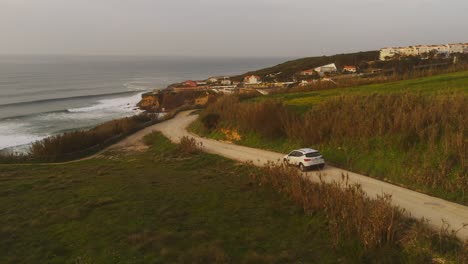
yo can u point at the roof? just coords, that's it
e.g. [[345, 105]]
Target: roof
[[331, 65], [307, 150]]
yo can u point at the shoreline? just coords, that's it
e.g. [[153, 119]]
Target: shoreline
[[29, 128]]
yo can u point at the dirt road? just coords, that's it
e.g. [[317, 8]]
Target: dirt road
[[417, 204]]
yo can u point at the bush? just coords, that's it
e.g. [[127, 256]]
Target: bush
[[77, 143], [210, 121], [352, 214], [429, 131], [189, 146]]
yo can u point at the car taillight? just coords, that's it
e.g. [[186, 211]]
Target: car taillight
[[307, 159]]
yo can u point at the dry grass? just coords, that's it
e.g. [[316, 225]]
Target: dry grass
[[189, 146], [430, 130], [396, 75], [78, 143], [351, 214], [349, 211]]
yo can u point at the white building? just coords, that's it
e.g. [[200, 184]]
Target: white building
[[252, 79], [213, 80], [423, 50], [226, 81], [458, 48], [351, 69], [329, 68], [307, 72]]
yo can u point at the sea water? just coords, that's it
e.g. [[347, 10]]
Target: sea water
[[41, 96]]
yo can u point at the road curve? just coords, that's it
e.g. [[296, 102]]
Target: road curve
[[435, 210]]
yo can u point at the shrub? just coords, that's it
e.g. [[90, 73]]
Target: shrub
[[78, 143], [430, 131], [189, 146], [210, 121], [352, 214]]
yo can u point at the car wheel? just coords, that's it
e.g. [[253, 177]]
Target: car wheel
[[285, 162], [302, 167]]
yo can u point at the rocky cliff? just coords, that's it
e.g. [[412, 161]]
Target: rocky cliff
[[151, 102], [168, 100]]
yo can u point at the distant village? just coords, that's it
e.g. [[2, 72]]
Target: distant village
[[227, 84], [423, 51], [325, 73]]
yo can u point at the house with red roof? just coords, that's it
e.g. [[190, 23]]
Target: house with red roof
[[191, 84], [351, 69], [307, 72]]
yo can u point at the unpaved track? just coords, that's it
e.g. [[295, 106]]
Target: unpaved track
[[417, 204]]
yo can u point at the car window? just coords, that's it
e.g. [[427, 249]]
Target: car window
[[313, 154], [298, 154], [295, 154]]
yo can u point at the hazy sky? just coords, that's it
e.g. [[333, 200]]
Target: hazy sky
[[226, 27]]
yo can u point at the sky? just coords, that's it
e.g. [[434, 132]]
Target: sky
[[238, 28]]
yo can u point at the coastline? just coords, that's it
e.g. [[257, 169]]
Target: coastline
[[19, 132]]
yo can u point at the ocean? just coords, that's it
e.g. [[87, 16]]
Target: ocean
[[41, 96]]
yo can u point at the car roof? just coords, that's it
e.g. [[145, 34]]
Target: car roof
[[307, 150]]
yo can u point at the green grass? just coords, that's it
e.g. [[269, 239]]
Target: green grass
[[154, 207], [379, 160], [377, 157], [440, 84], [160, 207]]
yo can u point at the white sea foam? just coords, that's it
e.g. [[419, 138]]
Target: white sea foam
[[121, 104], [21, 131], [14, 133]]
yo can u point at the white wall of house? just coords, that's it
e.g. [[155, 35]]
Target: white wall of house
[[252, 80], [226, 82], [350, 69], [326, 68], [307, 73]]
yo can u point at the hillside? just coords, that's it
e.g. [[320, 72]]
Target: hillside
[[439, 84], [168, 205], [412, 133], [288, 69]]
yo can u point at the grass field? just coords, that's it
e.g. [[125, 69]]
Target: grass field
[[439, 84], [163, 207], [412, 133], [155, 207]]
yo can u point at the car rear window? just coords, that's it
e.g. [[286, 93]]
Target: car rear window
[[313, 154]]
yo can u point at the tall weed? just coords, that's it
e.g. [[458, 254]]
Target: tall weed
[[429, 131]]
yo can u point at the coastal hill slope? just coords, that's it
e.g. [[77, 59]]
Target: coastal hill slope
[[289, 68]]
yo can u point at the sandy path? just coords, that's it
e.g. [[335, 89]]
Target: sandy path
[[419, 205]]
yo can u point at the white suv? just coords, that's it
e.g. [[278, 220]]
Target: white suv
[[305, 158]]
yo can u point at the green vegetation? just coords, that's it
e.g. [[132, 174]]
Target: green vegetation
[[154, 207], [166, 207], [367, 62], [289, 68], [78, 144], [412, 133], [439, 84]]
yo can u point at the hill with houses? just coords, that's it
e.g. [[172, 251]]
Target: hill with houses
[[321, 72]]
